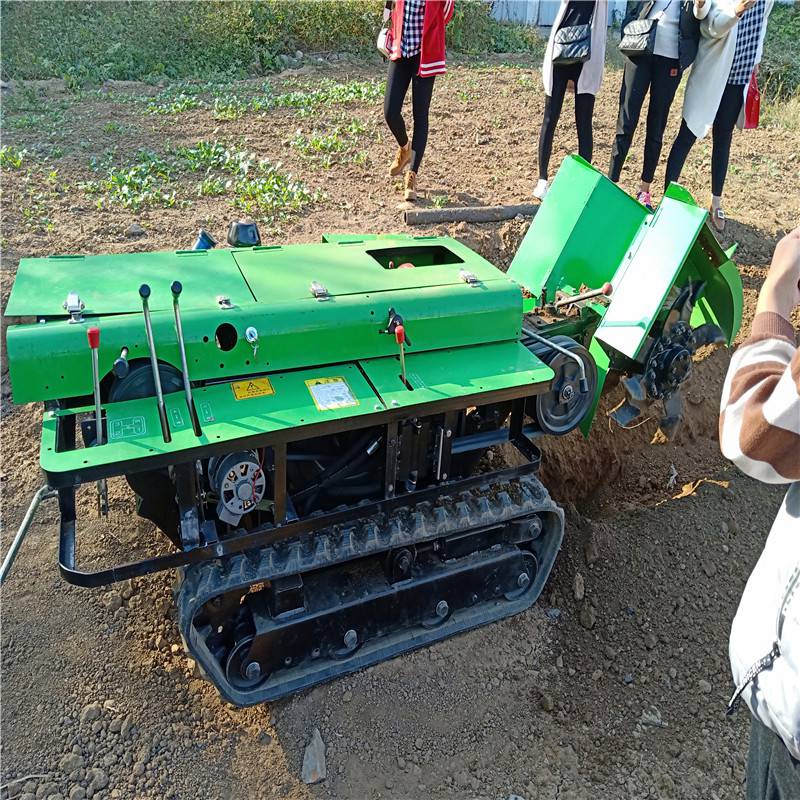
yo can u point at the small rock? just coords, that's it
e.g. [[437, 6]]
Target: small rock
[[91, 712], [115, 725], [97, 779], [175, 649], [126, 728], [161, 642], [597, 674], [138, 769], [553, 613], [347, 696], [298, 55], [578, 587], [588, 616], [710, 568], [314, 769], [134, 230], [70, 762], [627, 678], [77, 793], [418, 743], [113, 601], [590, 550], [704, 686], [650, 641], [547, 703]]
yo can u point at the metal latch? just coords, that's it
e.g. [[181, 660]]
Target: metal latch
[[224, 302], [319, 291], [74, 306], [468, 277]]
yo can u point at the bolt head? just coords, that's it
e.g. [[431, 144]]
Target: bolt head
[[523, 579], [252, 671], [350, 639], [442, 609]]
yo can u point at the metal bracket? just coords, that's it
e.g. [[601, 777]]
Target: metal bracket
[[319, 291], [73, 305], [468, 277], [224, 302]]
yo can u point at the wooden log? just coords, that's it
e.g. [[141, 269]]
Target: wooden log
[[430, 216]]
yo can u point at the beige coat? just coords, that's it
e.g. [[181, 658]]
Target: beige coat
[[592, 71], [709, 74]]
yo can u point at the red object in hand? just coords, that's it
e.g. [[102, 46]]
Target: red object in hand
[[752, 104], [400, 334], [93, 335]]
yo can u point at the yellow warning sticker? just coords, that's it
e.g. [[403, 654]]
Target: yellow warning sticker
[[255, 387], [331, 393]]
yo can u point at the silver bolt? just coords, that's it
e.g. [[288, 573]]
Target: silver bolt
[[395, 403], [449, 433], [442, 609], [444, 476], [523, 580], [252, 671], [390, 488], [287, 660], [350, 639]]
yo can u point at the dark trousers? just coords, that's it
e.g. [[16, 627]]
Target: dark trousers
[[403, 73], [772, 773], [584, 109], [728, 112], [660, 77]]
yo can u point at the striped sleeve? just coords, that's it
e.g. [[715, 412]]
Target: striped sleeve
[[759, 424], [449, 8]]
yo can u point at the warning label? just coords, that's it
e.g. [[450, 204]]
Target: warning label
[[331, 393], [255, 387]]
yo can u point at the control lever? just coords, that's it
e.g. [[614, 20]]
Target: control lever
[[144, 293], [121, 367], [606, 289], [397, 328], [93, 335], [177, 288]]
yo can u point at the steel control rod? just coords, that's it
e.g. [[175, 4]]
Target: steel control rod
[[177, 288], [144, 293]]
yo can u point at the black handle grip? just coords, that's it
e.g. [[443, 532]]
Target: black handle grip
[[176, 288], [144, 291]]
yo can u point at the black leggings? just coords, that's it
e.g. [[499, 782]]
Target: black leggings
[[728, 112], [584, 109], [402, 73], [660, 77]]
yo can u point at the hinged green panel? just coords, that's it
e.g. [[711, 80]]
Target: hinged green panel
[[109, 284], [455, 373]]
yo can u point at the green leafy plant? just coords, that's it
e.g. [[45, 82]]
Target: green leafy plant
[[12, 157], [271, 192]]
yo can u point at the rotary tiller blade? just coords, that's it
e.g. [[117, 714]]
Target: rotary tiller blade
[[673, 415], [707, 334], [635, 400]]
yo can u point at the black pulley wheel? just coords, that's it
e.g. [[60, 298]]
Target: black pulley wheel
[[139, 383], [561, 409], [242, 672]]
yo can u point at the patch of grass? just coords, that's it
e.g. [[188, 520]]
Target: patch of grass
[[271, 193], [12, 157], [782, 114], [779, 74], [174, 105], [145, 183], [112, 127], [440, 201]]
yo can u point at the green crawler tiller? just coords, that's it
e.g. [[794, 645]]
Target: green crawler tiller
[[305, 422]]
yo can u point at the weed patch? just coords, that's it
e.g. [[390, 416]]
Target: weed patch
[[11, 157]]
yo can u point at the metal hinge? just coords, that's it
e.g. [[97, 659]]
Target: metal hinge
[[73, 306], [319, 291]]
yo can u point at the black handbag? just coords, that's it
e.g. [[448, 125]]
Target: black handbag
[[639, 35], [573, 44]]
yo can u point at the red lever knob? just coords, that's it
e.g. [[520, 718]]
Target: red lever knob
[[607, 289], [400, 334], [93, 335]]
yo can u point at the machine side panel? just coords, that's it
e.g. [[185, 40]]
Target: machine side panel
[[580, 234]]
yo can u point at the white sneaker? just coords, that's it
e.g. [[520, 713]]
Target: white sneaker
[[540, 192]]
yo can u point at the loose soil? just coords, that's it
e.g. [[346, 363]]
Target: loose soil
[[620, 694]]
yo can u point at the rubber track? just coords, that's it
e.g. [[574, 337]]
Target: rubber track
[[485, 505]]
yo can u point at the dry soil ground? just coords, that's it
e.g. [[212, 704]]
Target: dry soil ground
[[618, 695]]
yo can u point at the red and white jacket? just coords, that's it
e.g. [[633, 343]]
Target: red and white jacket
[[432, 55]]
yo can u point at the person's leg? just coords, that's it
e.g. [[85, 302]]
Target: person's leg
[[552, 111], [421, 94], [722, 134], [584, 110], [772, 773], [678, 153], [665, 80], [397, 84], [635, 82]]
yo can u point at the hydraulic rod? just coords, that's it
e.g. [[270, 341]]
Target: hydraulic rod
[[144, 293]]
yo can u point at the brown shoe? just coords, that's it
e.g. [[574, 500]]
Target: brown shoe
[[411, 186], [400, 160]]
